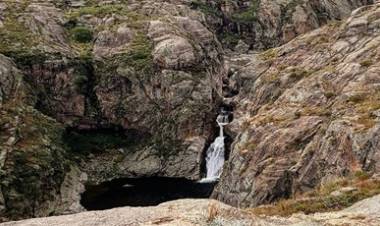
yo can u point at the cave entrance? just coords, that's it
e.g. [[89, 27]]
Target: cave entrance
[[142, 192]]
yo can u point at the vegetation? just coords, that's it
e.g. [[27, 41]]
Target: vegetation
[[330, 94], [366, 63], [17, 43], [37, 157], [289, 9], [321, 199], [80, 83], [99, 140], [357, 98], [206, 8], [247, 15], [229, 38], [81, 34], [299, 73], [270, 54], [165, 142], [96, 10], [136, 62], [139, 56]]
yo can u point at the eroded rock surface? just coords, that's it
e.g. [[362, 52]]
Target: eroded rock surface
[[306, 112], [124, 67], [210, 212], [263, 24]]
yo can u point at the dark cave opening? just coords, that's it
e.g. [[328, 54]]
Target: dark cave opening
[[142, 192]]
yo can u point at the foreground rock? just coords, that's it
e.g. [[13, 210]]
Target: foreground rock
[[209, 212], [181, 212]]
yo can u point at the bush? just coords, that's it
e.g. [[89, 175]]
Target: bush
[[80, 83], [248, 15], [366, 63], [82, 34]]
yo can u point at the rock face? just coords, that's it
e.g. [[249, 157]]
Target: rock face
[[11, 86], [32, 163], [306, 112], [209, 212], [264, 24], [94, 67]]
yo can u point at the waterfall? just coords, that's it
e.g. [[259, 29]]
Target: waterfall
[[215, 153]]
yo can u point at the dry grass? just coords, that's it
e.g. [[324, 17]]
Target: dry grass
[[320, 199], [212, 212], [270, 54], [366, 63]]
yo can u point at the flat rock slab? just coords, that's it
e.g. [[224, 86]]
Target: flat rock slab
[[208, 212]]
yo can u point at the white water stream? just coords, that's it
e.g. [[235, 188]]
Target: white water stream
[[215, 153]]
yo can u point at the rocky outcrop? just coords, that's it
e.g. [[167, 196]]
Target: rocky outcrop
[[210, 212], [114, 67], [33, 163], [11, 85], [264, 24], [306, 112]]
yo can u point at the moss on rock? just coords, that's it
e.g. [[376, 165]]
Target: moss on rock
[[35, 162]]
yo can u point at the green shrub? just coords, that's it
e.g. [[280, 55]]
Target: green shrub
[[361, 175], [96, 10], [330, 94], [299, 73], [206, 8], [366, 63], [93, 141], [357, 98], [80, 83], [81, 34], [139, 56], [247, 15], [229, 38]]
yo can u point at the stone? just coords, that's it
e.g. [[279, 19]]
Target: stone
[[110, 42], [241, 47], [348, 189], [11, 85], [173, 53], [71, 189]]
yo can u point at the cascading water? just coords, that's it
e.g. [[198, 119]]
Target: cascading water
[[215, 153]]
